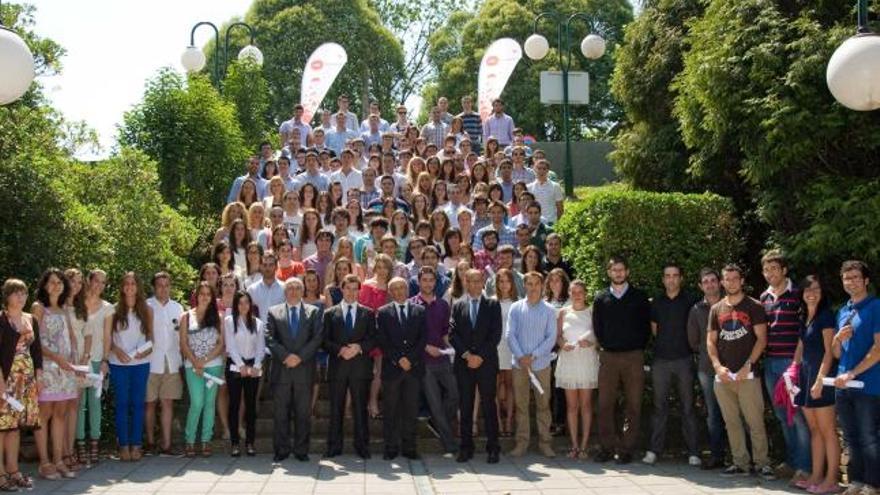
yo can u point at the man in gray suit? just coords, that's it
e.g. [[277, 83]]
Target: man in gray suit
[[294, 335]]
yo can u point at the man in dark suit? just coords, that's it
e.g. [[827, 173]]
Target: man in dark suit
[[349, 333], [294, 335], [475, 330], [402, 338]]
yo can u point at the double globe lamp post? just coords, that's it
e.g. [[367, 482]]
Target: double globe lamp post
[[193, 58], [592, 47]]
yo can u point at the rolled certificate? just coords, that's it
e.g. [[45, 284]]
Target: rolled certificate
[[535, 382], [236, 369], [13, 403], [213, 380], [829, 382], [146, 346], [790, 387], [449, 351], [81, 368], [732, 376]]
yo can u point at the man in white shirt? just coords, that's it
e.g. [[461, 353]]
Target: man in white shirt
[[547, 192], [445, 116], [295, 123], [347, 176], [373, 133], [164, 383], [340, 135], [455, 205], [374, 110], [351, 120], [267, 292], [435, 131]]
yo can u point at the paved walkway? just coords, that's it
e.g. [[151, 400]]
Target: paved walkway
[[434, 475]]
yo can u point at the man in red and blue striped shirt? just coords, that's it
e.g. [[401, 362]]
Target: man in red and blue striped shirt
[[782, 302]]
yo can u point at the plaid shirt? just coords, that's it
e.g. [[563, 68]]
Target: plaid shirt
[[484, 259], [367, 196], [506, 235]]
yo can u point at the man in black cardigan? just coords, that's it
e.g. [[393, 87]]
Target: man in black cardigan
[[402, 338], [622, 323], [349, 336], [475, 338]]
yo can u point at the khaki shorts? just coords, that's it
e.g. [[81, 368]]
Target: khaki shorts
[[164, 386]]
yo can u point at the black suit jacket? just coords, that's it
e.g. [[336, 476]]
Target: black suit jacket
[[364, 333], [398, 341], [482, 339], [305, 345]]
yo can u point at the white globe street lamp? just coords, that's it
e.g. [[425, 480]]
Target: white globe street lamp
[[853, 73], [16, 66], [536, 47], [252, 53], [193, 59], [593, 46]]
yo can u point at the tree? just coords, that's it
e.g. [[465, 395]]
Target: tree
[[458, 47], [649, 152], [247, 89], [288, 32], [193, 134]]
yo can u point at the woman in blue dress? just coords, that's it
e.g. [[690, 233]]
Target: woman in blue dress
[[817, 401]]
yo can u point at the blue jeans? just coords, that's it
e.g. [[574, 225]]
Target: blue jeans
[[714, 420], [859, 416], [130, 391], [796, 435]]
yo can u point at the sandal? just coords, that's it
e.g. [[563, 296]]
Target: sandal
[[6, 484], [93, 452], [81, 453], [573, 453], [23, 481], [47, 471], [206, 449], [71, 463], [190, 451], [136, 454], [124, 454], [64, 471]]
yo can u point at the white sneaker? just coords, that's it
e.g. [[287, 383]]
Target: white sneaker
[[650, 458], [695, 461]]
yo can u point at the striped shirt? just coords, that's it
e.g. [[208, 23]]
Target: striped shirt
[[473, 126], [783, 321], [531, 331]]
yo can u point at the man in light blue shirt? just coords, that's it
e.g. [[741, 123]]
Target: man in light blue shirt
[[296, 122], [374, 110], [499, 125], [351, 120], [339, 136], [253, 170], [312, 175], [531, 337]]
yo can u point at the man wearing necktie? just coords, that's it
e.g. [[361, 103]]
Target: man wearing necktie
[[293, 337], [349, 334], [402, 338], [474, 332]]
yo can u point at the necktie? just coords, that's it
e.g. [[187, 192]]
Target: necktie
[[293, 322], [400, 314], [349, 321], [474, 303]]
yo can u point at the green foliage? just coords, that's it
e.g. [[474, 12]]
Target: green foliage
[[649, 151], [247, 89], [649, 229], [289, 31], [193, 135], [458, 47]]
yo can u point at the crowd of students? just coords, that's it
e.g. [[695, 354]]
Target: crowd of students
[[409, 267]]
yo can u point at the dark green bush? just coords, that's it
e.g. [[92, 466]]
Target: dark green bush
[[649, 229]]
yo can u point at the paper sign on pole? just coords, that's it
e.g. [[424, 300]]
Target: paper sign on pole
[[321, 70], [498, 63]]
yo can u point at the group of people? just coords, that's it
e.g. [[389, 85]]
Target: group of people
[[414, 269]]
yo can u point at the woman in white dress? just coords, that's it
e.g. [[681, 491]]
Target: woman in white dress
[[577, 369], [505, 293]]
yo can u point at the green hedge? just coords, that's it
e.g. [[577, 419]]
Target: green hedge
[[649, 229]]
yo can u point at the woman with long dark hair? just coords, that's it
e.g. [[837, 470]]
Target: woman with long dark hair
[[58, 385], [128, 336], [245, 348], [78, 316], [201, 344]]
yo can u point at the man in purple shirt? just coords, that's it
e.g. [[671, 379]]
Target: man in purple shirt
[[320, 260], [499, 125], [439, 382]]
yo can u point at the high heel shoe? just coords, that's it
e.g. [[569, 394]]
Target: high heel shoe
[[64, 471]]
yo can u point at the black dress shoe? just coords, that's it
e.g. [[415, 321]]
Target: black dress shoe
[[331, 454], [301, 457], [389, 456], [280, 457], [363, 454], [464, 456], [413, 456], [492, 458], [712, 464], [603, 456], [624, 458]]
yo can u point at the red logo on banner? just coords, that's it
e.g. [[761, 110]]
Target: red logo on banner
[[492, 60], [317, 64]]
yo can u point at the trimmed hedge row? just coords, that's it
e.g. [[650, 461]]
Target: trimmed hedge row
[[649, 229]]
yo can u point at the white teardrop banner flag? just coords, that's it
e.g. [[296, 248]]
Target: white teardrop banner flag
[[495, 69], [321, 70]]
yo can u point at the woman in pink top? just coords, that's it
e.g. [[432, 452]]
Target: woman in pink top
[[374, 294]]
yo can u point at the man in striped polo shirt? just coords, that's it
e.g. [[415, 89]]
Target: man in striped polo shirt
[[781, 302]]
